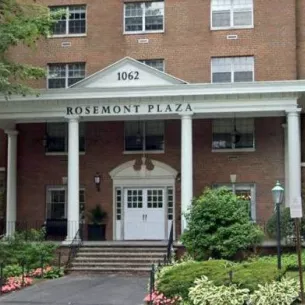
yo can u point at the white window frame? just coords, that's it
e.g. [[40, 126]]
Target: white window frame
[[61, 153], [64, 188], [145, 62], [66, 73], [233, 68], [126, 152], [243, 187], [231, 18], [234, 149], [143, 19], [67, 34]]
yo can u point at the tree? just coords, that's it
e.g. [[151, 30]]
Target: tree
[[21, 23], [219, 225]]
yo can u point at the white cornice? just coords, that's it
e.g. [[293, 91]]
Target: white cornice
[[280, 88]]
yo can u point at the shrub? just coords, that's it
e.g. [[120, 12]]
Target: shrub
[[219, 225], [252, 274], [284, 292], [12, 270], [177, 280], [205, 292]]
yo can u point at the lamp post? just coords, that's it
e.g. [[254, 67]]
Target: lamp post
[[278, 194]]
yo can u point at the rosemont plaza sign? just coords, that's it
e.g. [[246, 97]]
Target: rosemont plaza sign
[[129, 109]]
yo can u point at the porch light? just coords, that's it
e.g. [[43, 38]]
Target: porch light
[[97, 181], [277, 193]]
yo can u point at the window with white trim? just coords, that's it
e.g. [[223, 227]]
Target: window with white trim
[[57, 202], [232, 69], [144, 17], [72, 22], [118, 201], [245, 191], [65, 75], [57, 137], [154, 63], [233, 134], [170, 203], [144, 135], [231, 14]]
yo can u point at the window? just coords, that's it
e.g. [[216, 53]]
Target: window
[[72, 22], [233, 134], [144, 136], [232, 69], [231, 14], [154, 63], [57, 202], [170, 203], [246, 192], [144, 17], [65, 75], [118, 199], [57, 137]]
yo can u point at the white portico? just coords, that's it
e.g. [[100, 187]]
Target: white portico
[[129, 90]]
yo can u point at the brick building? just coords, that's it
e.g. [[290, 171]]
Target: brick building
[[146, 103]]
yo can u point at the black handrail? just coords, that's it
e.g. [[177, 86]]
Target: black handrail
[[170, 244], [74, 247]]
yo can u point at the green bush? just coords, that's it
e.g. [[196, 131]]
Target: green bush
[[12, 270], [176, 280], [219, 225], [28, 248]]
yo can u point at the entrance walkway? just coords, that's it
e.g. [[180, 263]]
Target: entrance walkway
[[82, 290]]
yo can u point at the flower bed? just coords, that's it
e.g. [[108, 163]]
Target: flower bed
[[14, 283]]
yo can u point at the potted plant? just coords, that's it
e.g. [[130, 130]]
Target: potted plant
[[96, 226]]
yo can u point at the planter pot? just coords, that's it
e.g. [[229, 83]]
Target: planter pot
[[96, 231]]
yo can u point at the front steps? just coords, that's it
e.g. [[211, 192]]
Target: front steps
[[117, 257]]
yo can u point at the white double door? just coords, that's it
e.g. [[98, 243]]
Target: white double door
[[144, 214]]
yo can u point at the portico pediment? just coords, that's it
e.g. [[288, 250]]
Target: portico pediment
[[128, 72]]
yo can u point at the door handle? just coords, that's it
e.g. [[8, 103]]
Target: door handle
[[145, 217]]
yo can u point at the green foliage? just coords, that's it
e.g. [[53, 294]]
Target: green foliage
[[283, 292], [176, 280], [219, 225], [53, 273], [97, 215], [12, 270], [205, 292], [287, 224], [21, 23], [28, 248]]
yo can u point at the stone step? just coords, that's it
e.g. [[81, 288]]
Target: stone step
[[115, 259], [122, 249], [90, 270], [110, 265], [119, 254]]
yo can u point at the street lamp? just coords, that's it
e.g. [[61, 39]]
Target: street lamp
[[277, 195]]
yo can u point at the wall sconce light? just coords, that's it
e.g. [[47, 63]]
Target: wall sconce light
[[97, 181], [178, 177], [64, 180], [232, 178]]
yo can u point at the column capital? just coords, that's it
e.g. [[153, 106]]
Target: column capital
[[295, 112], [72, 118], [11, 132], [186, 115]]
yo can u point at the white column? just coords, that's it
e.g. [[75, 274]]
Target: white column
[[186, 166], [73, 178], [286, 160], [11, 197], [294, 156]]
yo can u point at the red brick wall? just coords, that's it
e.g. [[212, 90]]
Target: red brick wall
[[187, 44], [104, 147]]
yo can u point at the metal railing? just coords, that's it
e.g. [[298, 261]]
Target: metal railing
[[74, 247], [170, 244]]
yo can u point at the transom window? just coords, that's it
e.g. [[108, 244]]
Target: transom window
[[57, 137], [232, 69], [57, 202], [144, 136], [144, 17], [231, 14], [72, 22], [65, 75], [233, 134], [154, 63]]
